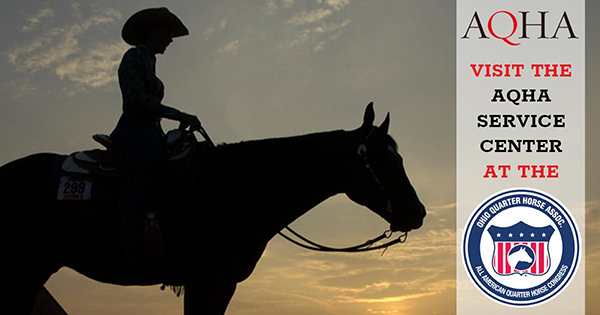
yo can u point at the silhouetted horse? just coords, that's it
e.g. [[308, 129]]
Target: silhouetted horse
[[246, 193]]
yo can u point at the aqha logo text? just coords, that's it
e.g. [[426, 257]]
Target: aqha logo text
[[506, 25]]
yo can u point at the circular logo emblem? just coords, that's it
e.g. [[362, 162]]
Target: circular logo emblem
[[521, 247]]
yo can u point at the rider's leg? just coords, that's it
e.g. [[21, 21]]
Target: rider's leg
[[142, 151]]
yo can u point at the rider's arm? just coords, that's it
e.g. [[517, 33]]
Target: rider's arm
[[134, 77]]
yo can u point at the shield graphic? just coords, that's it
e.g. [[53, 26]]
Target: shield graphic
[[521, 249]]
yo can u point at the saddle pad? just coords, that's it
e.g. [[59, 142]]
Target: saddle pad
[[70, 166], [72, 182], [104, 163], [69, 182], [83, 163], [97, 156]]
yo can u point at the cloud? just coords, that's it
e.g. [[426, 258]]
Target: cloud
[[231, 49], [26, 48], [313, 27], [368, 288], [287, 3], [322, 265], [307, 17], [372, 311], [393, 298], [22, 88], [94, 68], [222, 25], [75, 7], [59, 49], [53, 54], [316, 36], [109, 15], [319, 46], [448, 206], [337, 4], [270, 7], [424, 287], [33, 20], [209, 32], [592, 229], [593, 209]]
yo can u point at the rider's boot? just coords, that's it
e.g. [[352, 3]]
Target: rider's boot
[[154, 246]]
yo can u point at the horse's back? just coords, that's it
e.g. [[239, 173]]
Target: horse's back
[[29, 171], [25, 180]]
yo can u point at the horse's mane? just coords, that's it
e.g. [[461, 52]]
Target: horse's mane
[[315, 138], [276, 142]]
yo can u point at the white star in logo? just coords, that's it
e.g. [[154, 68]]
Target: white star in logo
[[509, 234], [532, 235], [521, 235], [498, 235], [543, 234]]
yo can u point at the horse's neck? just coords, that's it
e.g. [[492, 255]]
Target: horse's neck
[[281, 179]]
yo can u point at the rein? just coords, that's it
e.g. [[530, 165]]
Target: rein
[[364, 247]]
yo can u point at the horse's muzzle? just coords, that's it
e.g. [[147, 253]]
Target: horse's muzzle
[[410, 223]]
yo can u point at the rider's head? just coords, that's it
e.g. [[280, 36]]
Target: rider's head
[[154, 28], [157, 39]]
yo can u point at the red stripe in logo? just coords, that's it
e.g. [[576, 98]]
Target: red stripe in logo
[[500, 255], [506, 265], [541, 259], [534, 246]]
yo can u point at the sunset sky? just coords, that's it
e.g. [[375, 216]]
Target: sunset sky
[[271, 68]]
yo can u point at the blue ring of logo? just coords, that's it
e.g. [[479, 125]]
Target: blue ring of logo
[[472, 256]]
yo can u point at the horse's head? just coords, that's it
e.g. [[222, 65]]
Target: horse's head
[[378, 179]]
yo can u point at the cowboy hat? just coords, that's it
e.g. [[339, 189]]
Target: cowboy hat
[[134, 30]]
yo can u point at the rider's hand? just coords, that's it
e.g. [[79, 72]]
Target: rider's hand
[[190, 120]]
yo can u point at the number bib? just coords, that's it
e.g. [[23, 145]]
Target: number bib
[[74, 188]]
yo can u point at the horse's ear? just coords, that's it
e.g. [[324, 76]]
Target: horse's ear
[[385, 126], [368, 118]]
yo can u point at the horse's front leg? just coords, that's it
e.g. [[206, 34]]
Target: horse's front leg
[[210, 297]]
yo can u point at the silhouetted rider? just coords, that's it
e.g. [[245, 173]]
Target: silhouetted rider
[[138, 133]]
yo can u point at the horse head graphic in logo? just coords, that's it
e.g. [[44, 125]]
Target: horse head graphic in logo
[[520, 258], [521, 249]]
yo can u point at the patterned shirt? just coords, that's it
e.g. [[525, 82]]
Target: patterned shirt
[[142, 91]]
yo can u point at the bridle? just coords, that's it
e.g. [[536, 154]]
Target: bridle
[[367, 245]]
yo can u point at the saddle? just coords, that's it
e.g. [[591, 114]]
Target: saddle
[[180, 146]]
